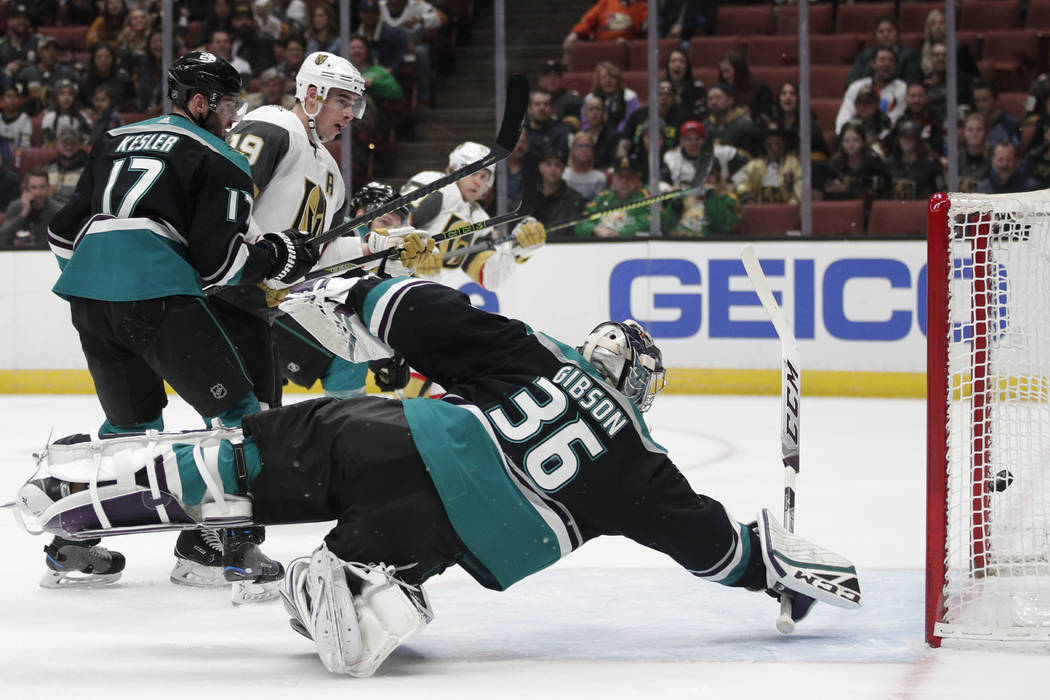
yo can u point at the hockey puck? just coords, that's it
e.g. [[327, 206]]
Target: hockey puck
[[1001, 482]]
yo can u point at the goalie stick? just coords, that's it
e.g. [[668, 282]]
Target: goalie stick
[[510, 128], [530, 180], [790, 398]]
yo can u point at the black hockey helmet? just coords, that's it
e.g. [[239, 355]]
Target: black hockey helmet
[[200, 71], [373, 195]]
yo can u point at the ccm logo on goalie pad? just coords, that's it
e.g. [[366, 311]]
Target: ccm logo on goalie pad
[[846, 594]]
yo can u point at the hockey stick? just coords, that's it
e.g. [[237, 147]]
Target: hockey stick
[[510, 128], [703, 168], [790, 398], [530, 178]]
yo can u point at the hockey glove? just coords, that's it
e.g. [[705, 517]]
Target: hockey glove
[[414, 247], [529, 235], [391, 373], [291, 257]]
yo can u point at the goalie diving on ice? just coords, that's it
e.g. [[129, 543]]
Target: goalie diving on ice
[[538, 447]]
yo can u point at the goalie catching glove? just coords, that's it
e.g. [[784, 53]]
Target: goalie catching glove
[[529, 236], [291, 257], [416, 252]]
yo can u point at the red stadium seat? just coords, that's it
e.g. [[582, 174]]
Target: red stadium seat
[[892, 218], [35, 157], [838, 218], [1013, 103], [1014, 53], [772, 51], [912, 15], [745, 20], [826, 109], [821, 19], [860, 18], [828, 81], [769, 219], [833, 50], [638, 53], [637, 80], [1038, 14], [78, 34], [37, 139], [580, 82], [774, 76], [989, 15], [705, 51], [585, 55], [707, 75]]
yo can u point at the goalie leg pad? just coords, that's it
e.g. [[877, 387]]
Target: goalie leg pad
[[795, 564]]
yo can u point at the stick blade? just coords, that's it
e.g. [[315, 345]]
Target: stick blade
[[530, 184], [514, 112]]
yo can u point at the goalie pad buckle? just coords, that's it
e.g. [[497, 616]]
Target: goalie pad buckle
[[797, 565]]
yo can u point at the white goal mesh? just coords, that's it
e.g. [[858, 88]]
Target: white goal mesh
[[996, 487]]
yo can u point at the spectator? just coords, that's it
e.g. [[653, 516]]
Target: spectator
[[726, 123], [856, 172], [974, 163], [382, 87], [566, 103], [293, 13], [670, 112], [514, 164], [26, 219], [875, 123], [271, 91], [906, 64], [388, 42], [915, 173], [684, 18], [67, 114], [152, 82], [248, 41], [610, 20], [690, 93], [937, 81], [1037, 111], [776, 176], [640, 150], [918, 111], [715, 212], [890, 92], [1006, 176], [133, 40], [64, 171], [80, 12], [15, 124], [415, 18], [626, 187], [103, 71], [581, 174], [785, 113], [220, 44], [936, 32], [681, 161], [107, 116], [754, 98], [294, 53], [998, 125], [267, 22], [557, 203], [604, 139], [218, 18], [43, 78], [1036, 163], [619, 100], [545, 132], [18, 47], [108, 25], [323, 34]]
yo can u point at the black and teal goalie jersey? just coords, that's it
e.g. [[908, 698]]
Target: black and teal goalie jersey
[[531, 451], [160, 210]]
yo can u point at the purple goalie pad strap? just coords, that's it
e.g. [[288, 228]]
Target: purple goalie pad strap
[[130, 510]]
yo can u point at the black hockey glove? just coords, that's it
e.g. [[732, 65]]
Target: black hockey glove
[[291, 256], [391, 373]]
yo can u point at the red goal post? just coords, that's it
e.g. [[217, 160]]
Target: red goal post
[[988, 418]]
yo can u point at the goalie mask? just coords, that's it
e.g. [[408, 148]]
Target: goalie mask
[[627, 357]]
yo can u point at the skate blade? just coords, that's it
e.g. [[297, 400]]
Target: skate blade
[[247, 592], [76, 579], [336, 631], [187, 573]]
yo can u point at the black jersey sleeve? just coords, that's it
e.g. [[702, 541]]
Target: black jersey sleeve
[[64, 225], [264, 145]]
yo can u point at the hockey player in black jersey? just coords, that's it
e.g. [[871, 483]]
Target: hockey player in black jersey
[[160, 212], [536, 448]]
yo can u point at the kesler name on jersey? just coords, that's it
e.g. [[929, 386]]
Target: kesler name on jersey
[[162, 143]]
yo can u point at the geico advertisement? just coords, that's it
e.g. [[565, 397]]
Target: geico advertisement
[[852, 305]]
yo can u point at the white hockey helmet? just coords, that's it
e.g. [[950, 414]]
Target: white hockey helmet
[[627, 357], [325, 71], [466, 153]]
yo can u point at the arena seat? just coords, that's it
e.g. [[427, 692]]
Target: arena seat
[[35, 157], [77, 33], [1038, 14], [579, 81], [860, 18], [585, 55], [705, 51], [893, 218], [132, 117], [821, 19], [638, 53], [1013, 103], [769, 219], [774, 76], [989, 15], [833, 50], [845, 218], [779, 50], [828, 81], [911, 16], [745, 19], [826, 109], [1014, 54]]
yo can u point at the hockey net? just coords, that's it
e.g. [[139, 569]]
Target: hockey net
[[988, 418]]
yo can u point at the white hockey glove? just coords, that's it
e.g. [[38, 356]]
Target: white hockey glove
[[320, 307], [415, 249], [529, 235]]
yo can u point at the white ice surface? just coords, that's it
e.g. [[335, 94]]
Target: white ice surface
[[613, 620]]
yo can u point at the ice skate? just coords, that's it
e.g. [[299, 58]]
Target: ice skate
[[198, 559], [255, 576], [83, 563]]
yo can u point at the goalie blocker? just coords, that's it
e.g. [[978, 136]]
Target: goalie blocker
[[437, 483]]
